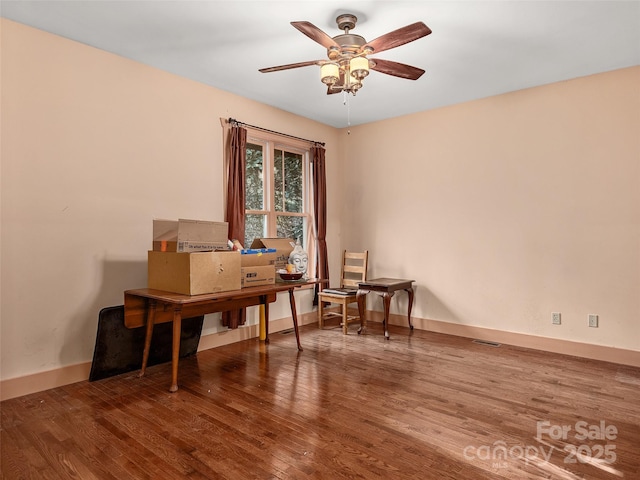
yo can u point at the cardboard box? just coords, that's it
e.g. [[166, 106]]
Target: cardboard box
[[194, 273], [189, 235], [258, 275], [283, 247], [255, 257]]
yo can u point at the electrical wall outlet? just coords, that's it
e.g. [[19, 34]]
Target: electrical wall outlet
[[555, 318], [593, 321]]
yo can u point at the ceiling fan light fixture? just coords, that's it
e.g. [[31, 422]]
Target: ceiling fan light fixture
[[329, 73], [354, 86], [348, 63], [359, 67]]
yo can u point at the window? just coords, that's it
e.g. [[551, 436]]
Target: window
[[277, 192]]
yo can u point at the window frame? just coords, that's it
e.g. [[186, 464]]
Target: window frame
[[270, 144]]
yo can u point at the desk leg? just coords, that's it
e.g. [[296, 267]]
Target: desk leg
[[386, 297], [294, 315], [320, 314], [264, 315], [175, 353], [263, 332], [151, 313], [361, 297], [410, 292]]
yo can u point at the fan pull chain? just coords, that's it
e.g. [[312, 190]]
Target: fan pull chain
[[345, 101]]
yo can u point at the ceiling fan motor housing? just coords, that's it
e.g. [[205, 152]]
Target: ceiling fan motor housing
[[350, 45]]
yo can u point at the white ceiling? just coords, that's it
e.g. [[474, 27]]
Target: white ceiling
[[477, 48]]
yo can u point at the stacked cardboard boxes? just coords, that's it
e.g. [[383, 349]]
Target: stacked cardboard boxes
[[191, 257], [282, 246], [258, 266], [189, 235], [194, 273], [265, 257]]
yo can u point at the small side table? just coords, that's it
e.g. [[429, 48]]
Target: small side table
[[387, 287]]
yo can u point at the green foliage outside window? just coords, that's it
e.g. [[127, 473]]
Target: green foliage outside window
[[254, 227], [254, 180], [288, 182], [288, 195]]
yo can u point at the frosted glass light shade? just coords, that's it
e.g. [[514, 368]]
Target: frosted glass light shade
[[359, 67], [329, 73]]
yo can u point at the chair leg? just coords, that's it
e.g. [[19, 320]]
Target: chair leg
[[320, 314], [345, 322]]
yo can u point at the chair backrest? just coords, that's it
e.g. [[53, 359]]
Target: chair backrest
[[354, 268]]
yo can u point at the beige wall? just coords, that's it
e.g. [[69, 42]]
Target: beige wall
[[93, 147], [503, 210], [509, 208]]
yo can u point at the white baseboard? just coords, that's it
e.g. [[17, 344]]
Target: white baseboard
[[38, 382], [552, 345], [25, 385]]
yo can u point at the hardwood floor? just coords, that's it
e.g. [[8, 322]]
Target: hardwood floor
[[420, 406]]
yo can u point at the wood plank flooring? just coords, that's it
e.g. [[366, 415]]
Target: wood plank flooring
[[420, 406]]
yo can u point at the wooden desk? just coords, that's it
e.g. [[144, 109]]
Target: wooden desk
[[148, 306], [386, 287]]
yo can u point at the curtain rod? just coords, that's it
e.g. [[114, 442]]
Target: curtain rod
[[237, 122]]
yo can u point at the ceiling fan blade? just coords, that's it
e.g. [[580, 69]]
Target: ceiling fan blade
[[290, 65], [315, 34], [399, 37], [396, 69]]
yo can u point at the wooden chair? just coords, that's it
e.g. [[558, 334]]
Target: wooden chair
[[354, 271]]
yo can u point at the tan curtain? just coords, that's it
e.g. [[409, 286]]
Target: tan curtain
[[236, 194], [320, 212]]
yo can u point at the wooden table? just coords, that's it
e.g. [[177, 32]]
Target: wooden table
[[149, 307], [386, 287]]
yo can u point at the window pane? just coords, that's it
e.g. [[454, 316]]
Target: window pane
[[255, 226], [276, 193], [278, 181], [293, 182], [291, 227], [288, 182], [254, 178]]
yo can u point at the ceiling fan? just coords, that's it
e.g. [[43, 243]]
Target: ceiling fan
[[348, 54]]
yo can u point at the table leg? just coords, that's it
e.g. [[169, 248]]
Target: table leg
[[410, 292], [320, 314], [294, 315], [265, 303], [386, 297], [151, 313], [175, 353], [262, 330], [361, 296]]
